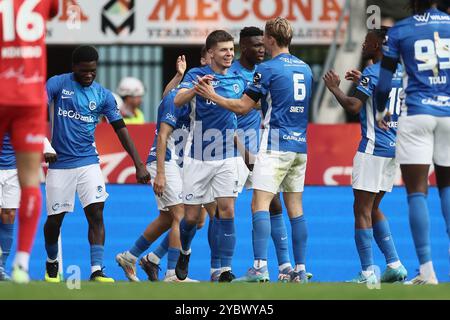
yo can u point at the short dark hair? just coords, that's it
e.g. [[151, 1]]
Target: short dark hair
[[248, 32], [420, 6], [380, 33], [203, 52], [84, 54], [217, 36]]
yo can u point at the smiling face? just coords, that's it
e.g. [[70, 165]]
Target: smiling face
[[85, 72], [222, 54]]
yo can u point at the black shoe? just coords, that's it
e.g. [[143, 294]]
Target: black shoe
[[52, 270], [227, 276], [181, 269], [150, 268], [99, 276]]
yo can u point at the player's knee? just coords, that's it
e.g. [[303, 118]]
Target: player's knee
[[200, 224], [8, 216]]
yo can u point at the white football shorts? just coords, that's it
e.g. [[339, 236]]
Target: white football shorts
[[9, 189], [173, 193], [372, 173]]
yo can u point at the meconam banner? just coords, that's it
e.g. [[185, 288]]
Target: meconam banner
[[331, 149], [180, 22]]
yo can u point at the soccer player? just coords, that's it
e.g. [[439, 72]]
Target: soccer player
[[374, 164], [75, 104], [209, 161], [248, 131], [283, 85], [422, 42], [165, 166], [9, 202], [23, 71]]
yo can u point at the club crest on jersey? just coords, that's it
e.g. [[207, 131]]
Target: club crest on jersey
[[365, 82], [92, 105], [257, 78], [236, 88]]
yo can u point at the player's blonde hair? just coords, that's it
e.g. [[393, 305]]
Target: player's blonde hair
[[281, 30]]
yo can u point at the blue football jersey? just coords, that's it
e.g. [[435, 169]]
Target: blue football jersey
[[248, 125], [212, 127], [179, 120], [7, 156], [74, 112], [284, 85], [374, 140], [423, 43]]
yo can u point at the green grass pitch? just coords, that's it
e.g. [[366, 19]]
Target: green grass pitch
[[218, 291]]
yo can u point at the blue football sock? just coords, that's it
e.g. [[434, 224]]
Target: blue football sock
[[280, 238], [261, 234], [445, 204], [163, 247], [97, 255], [383, 237], [172, 258], [227, 240], [52, 251], [419, 222], [187, 233], [140, 246], [6, 240], [299, 239], [363, 240], [213, 239]]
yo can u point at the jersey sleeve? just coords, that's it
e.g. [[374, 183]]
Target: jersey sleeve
[[54, 8], [260, 85], [110, 108], [169, 112], [391, 46], [52, 88], [188, 79], [367, 83]]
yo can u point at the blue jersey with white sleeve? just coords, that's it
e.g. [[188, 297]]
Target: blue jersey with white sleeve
[[375, 140], [212, 127], [248, 125], [74, 113], [179, 120], [423, 43], [7, 155], [284, 85]]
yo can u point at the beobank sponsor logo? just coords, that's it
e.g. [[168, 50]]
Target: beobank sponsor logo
[[72, 114]]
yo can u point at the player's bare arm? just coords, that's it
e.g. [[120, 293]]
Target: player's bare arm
[[238, 106], [351, 104], [49, 153], [159, 183], [142, 175], [181, 69], [184, 96]]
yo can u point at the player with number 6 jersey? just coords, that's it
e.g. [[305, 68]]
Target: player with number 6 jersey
[[23, 74]]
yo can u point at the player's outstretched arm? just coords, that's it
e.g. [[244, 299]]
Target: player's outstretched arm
[[142, 175], [239, 106], [181, 69], [351, 104], [183, 96], [159, 183]]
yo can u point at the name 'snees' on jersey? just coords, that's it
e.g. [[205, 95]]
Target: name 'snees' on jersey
[[248, 125], [422, 42], [74, 113], [23, 55], [179, 120], [284, 85], [212, 127], [7, 155], [375, 140]]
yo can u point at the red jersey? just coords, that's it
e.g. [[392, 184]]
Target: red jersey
[[23, 54]]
